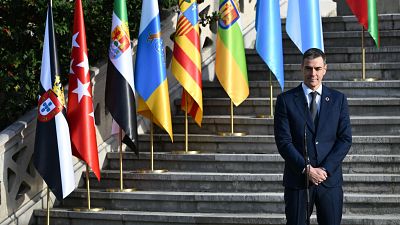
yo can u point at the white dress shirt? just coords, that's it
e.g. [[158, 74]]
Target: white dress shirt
[[307, 92]]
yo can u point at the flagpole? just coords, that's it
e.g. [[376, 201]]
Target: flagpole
[[363, 52], [151, 147], [152, 170], [186, 151], [232, 133], [363, 75], [48, 207], [88, 186], [231, 117], [271, 102], [186, 124], [121, 177], [89, 208]]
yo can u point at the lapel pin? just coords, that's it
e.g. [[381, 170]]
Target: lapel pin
[[327, 99]]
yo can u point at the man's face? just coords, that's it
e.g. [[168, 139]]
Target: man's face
[[313, 71]]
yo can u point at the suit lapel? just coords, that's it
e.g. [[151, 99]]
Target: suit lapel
[[301, 103], [326, 100]]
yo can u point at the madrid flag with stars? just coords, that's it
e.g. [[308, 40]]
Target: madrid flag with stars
[[80, 105]]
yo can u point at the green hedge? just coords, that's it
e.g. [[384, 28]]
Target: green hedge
[[21, 36]]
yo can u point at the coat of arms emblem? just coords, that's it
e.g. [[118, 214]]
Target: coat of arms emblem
[[229, 14]]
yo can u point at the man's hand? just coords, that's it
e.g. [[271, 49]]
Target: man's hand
[[316, 175]]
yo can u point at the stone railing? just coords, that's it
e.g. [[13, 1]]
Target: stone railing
[[21, 188]]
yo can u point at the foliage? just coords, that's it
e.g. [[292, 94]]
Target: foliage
[[22, 24], [166, 4], [206, 19]]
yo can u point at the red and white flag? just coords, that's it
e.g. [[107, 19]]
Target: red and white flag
[[80, 105]]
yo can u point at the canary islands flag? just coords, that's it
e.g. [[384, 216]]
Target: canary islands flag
[[150, 72], [230, 61], [186, 60]]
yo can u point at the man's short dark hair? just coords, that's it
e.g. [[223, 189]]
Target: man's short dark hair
[[313, 53]]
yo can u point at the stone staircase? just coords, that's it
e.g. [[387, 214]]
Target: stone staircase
[[238, 180]]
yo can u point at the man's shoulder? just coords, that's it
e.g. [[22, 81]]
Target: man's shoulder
[[331, 91], [294, 91]]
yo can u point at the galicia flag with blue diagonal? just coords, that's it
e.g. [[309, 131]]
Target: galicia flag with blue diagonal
[[52, 154]]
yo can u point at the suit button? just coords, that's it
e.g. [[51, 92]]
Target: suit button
[[316, 142]]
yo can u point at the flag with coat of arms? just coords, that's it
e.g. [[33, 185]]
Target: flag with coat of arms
[[52, 151], [150, 71], [120, 84], [230, 61]]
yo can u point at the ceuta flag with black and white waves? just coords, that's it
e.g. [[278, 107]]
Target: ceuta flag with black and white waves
[[80, 104], [52, 154]]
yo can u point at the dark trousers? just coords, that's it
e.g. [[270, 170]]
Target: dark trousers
[[328, 203]]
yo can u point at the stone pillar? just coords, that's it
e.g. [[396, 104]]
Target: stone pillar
[[383, 7]]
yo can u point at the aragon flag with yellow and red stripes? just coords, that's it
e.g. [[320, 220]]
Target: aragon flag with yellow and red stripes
[[230, 61], [186, 60]]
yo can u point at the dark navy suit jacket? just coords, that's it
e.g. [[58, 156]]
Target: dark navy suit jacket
[[328, 142]]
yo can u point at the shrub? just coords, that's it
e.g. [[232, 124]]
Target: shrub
[[22, 24]]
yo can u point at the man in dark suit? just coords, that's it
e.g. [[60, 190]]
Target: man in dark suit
[[328, 140]]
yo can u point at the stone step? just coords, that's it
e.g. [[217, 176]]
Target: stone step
[[231, 182], [335, 71], [117, 217], [350, 23], [369, 125], [254, 106], [218, 202], [336, 55], [352, 89], [243, 163], [259, 144], [351, 39]]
